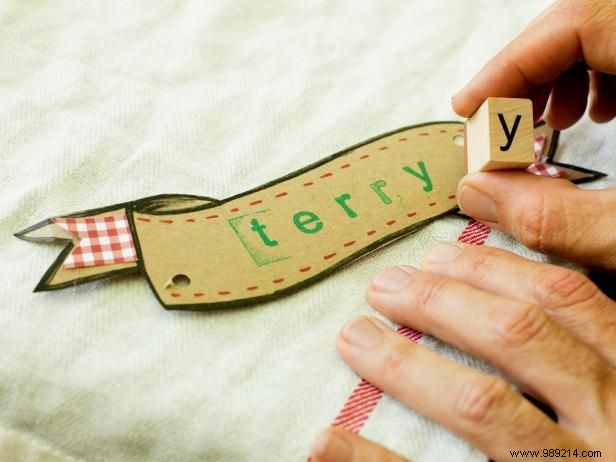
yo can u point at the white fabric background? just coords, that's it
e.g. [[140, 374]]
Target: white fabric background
[[104, 102]]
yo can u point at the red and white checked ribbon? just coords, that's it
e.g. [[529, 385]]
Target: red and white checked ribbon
[[540, 167], [101, 241]]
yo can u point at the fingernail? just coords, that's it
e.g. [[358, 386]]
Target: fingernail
[[331, 447], [444, 252], [362, 332], [477, 204], [391, 280]]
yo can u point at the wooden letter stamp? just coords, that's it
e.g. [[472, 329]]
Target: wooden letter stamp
[[499, 135]]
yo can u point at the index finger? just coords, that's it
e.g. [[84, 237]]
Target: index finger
[[481, 408], [543, 51]]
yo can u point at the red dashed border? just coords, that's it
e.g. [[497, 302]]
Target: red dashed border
[[281, 194], [305, 269]]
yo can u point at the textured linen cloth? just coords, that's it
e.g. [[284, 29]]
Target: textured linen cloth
[[104, 102]]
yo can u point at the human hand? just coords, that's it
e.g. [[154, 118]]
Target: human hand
[[541, 61], [549, 215], [544, 214], [547, 328]]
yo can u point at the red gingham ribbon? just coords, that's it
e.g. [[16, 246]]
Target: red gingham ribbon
[[102, 241], [540, 167]]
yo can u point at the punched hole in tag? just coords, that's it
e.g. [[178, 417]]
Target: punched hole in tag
[[179, 280]]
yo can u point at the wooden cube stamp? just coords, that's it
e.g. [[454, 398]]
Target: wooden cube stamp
[[499, 135]]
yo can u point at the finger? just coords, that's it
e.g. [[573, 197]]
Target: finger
[[542, 52], [602, 97], [539, 97], [335, 444], [565, 33], [478, 407], [569, 97], [517, 337], [545, 214], [569, 298]]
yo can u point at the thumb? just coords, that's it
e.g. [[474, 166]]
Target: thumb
[[545, 214]]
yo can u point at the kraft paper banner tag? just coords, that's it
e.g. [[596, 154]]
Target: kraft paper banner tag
[[199, 253]]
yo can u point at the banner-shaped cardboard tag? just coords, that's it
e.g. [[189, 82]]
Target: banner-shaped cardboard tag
[[200, 253]]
